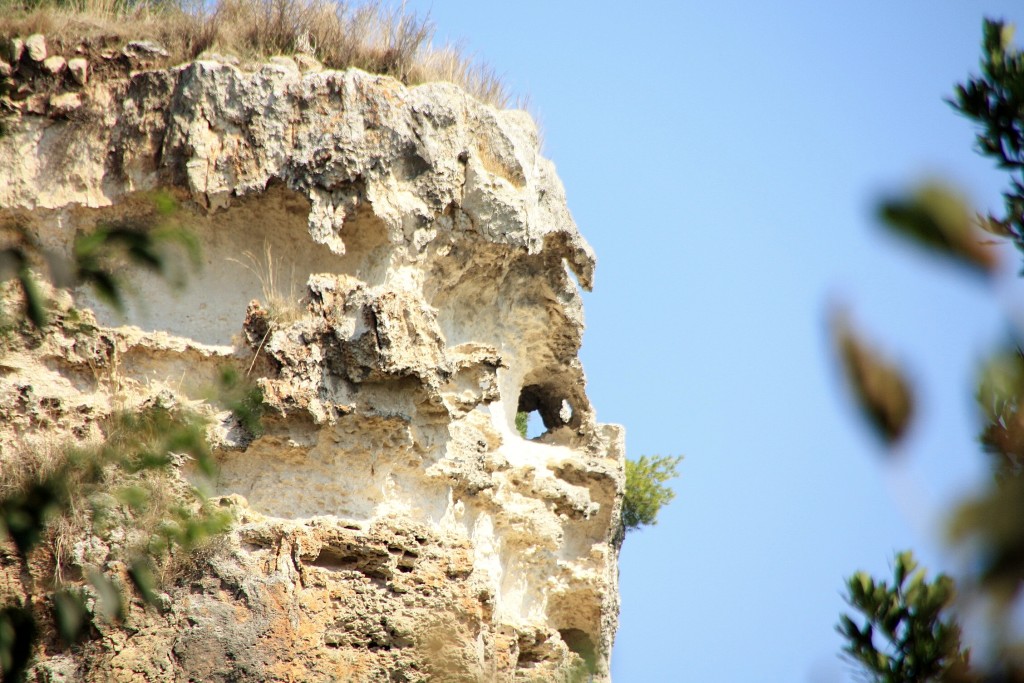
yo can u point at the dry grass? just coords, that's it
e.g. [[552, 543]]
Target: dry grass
[[32, 458], [282, 307], [35, 459], [106, 490], [370, 35]]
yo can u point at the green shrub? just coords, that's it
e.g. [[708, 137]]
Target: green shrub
[[646, 492], [522, 421]]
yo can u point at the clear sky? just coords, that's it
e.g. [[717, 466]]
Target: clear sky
[[723, 159]]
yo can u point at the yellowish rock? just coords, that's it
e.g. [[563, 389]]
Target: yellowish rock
[[78, 67], [397, 269], [54, 65], [35, 47]]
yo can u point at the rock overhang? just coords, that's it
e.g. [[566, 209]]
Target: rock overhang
[[423, 247]]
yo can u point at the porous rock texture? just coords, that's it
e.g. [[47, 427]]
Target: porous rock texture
[[397, 268]]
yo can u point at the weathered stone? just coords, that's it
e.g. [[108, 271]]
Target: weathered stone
[[35, 47], [78, 67], [414, 268], [230, 60], [13, 49], [145, 48], [36, 104], [65, 103], [307, 62], [286, 63], [54, 65]]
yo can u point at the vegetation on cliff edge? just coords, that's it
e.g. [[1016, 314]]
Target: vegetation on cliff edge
[[370, 35]]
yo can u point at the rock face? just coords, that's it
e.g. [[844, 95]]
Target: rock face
[[399, 271]]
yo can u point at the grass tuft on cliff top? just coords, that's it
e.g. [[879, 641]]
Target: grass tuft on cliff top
[[368, 35]]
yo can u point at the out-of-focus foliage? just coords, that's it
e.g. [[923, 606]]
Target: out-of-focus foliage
[[646, 492], [17, 638], [98, 258], [880, 388], [902, 634], [999, 392], [995, 101], [124, 486], [243, 398], [937, 217], [990, 525], [918, 621]]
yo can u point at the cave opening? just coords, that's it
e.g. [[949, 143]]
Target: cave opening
[[540, 410], [529, 425], [579, 642]]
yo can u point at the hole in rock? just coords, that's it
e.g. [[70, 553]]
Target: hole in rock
[[369, 562], [529, 425], [367, 249], [544, 410], [580, 643], [335, 560], [532, 651]]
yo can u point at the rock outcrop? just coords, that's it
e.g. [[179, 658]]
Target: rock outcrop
[[397, 269]]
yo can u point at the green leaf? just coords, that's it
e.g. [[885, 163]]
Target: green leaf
[[165, 203], [17, 639], [880, 387], [24, 515], [141, 573], [70, 615], [936, 217], [35, 302], [135, 497], [109, 603]]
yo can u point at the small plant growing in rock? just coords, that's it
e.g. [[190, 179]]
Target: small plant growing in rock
[[646, 492], [282, 307], [522, 422]]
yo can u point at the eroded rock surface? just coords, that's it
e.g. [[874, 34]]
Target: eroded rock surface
[[398, 268]]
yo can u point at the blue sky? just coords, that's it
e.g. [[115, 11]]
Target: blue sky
[[723, 160]]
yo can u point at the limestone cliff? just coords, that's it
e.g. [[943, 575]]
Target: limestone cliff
[[398, 270]]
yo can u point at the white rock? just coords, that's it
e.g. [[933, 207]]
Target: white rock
[[231, 60], [36, 104], [35, 46], [286, 63], [54, 65], [307, 62], [78, 67], [145, 48], [13, 49], [65, 103]]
